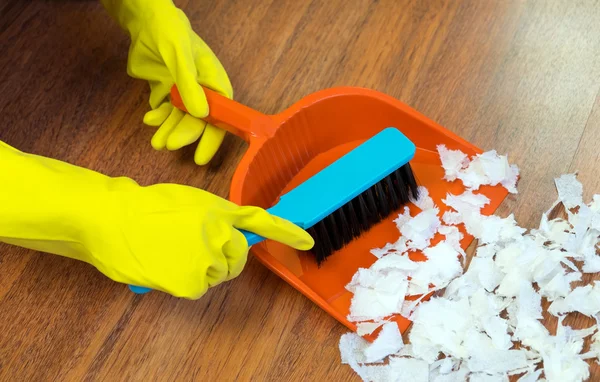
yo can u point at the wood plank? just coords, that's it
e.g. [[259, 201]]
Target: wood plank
[[519, 76]]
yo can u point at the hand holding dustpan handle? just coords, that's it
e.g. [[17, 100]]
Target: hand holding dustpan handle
[[251, 238], [230, 115]]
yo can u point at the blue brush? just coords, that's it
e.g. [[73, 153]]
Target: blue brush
[[349, 196]]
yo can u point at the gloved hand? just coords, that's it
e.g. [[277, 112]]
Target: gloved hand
[[167, 237], [165, 51]]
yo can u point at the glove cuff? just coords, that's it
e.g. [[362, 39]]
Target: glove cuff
[[55, 207]]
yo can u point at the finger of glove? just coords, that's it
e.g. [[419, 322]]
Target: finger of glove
[[236, 253], [159, 140], [259, 221], [159, 115], [212, 75], [144, 66], [180, 62], [218, 270], [143, 63], [209, 144], [211, 72], [160, 90], [218, 83], [186, 132]]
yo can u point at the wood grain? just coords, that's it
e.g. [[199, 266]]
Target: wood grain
[[519, 76]]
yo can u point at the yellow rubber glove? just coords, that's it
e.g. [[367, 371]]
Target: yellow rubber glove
[[167, 237], [165, 51]]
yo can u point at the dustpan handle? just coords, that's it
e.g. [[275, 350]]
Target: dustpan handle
[[232, 116]]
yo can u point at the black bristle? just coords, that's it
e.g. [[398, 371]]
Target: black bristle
[[371, 206], [334, 233], [322, 250], [364, 211], [352, 219], [383, 204], [409, 179], [401, 189], [341, 221], [391, 192]]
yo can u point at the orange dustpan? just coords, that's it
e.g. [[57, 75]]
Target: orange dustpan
[[286, 149]]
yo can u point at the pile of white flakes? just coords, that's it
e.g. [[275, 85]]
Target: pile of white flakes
[[483, 324]]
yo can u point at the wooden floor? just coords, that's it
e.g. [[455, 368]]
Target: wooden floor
[[519, 76]]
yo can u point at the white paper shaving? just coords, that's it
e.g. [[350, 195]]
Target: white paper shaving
[[420, 230], [424, 201], [497, 361], [562, 358], [531, 376], [468, 331], [453, 162], [488, 168], [595, 346], [399, 369], [448, 371], [364, 328], [374, 300], [352, 349], [441, 267], [453, 236], [570, 191], [481, 377], [389, 341], [416, 232], [585, 300], [359, 355]]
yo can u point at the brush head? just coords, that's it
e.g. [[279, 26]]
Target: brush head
[[363, 212], [352, 194]]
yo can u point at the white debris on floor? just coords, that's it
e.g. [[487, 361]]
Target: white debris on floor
[[470, 329]]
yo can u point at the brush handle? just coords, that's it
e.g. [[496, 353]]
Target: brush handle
[[232, 116], [251, 238]]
